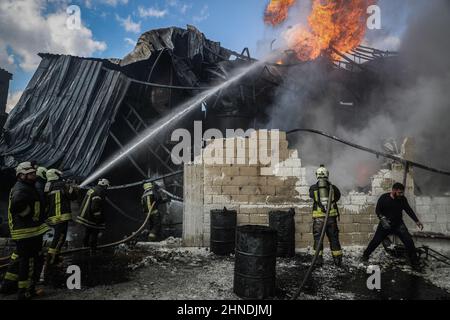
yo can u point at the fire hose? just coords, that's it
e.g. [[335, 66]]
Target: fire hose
[[319, 245], [129, 238], [405, 162]]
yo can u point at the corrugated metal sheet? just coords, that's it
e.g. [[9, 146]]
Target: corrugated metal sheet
[[64, 116]]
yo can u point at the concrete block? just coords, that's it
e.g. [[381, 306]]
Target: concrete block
[[442, 218], [248, 171], [250, 209], [423, 200], [221, 199], [220, 180], [283, 172], [266, 171], [358, 200], [303, 190], [345, 218], [231, 171], [275, 181], [284, 191], [213, 190], [240, 199], [304, 228], [291, 182], [258, 199], [366, 227], [281, 200], [243, 219], [442, 200], [230, 190], [429, 218], [244, 181], [249, 190], [208, 199], [352, 208], [259, 219]]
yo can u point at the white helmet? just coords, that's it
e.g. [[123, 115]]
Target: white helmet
[[322, 172], [53, 175], [42, 172], [104, 183], [25, 168]]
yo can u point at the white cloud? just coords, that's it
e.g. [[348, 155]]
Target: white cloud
[[13, 98], [182, 7], [152, 12], [130, 41], [129, 25], [114, 2], [25, 31], [203, 15]]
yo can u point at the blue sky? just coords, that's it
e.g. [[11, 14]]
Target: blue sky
[[110, 28], [117, 24]]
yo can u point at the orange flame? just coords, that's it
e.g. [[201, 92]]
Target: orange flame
[[340, 24], [277, 11]]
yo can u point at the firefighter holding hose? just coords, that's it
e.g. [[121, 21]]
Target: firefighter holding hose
[[92, 215], [320, 192], [151, 197], [59, 196]]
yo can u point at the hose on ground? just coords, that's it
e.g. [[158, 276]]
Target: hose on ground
[[131, 237], [319, 245]]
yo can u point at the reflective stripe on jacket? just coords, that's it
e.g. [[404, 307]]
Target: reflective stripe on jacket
[[25, 216], [91, 214], [318, 210], [58, 200]]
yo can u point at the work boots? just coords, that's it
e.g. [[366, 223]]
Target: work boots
[[338, 261]]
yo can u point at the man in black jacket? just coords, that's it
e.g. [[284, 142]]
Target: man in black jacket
[[389, 210]]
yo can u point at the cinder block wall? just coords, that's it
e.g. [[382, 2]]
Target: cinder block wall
[[253, 190]]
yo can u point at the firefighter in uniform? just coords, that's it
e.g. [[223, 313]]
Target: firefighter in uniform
[[27, 229], [91, 215], [151, 197], [320, 192], [59, 196]]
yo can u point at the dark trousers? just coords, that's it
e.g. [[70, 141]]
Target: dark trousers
[[155, 224], [400, 231], [332, 232], [31, 261], [12, 274], [91, 238], [59, 238]]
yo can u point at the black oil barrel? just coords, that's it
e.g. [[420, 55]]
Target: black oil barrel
[[255, 265], [283, 222], [223, 231]]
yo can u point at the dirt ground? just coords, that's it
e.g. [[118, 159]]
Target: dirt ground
[[156, 272]]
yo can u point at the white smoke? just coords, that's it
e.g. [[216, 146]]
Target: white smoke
[[414, 103]]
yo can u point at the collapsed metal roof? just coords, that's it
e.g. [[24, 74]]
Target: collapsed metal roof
[[65, 114]]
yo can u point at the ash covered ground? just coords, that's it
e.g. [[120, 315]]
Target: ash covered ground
[[158, 272]]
